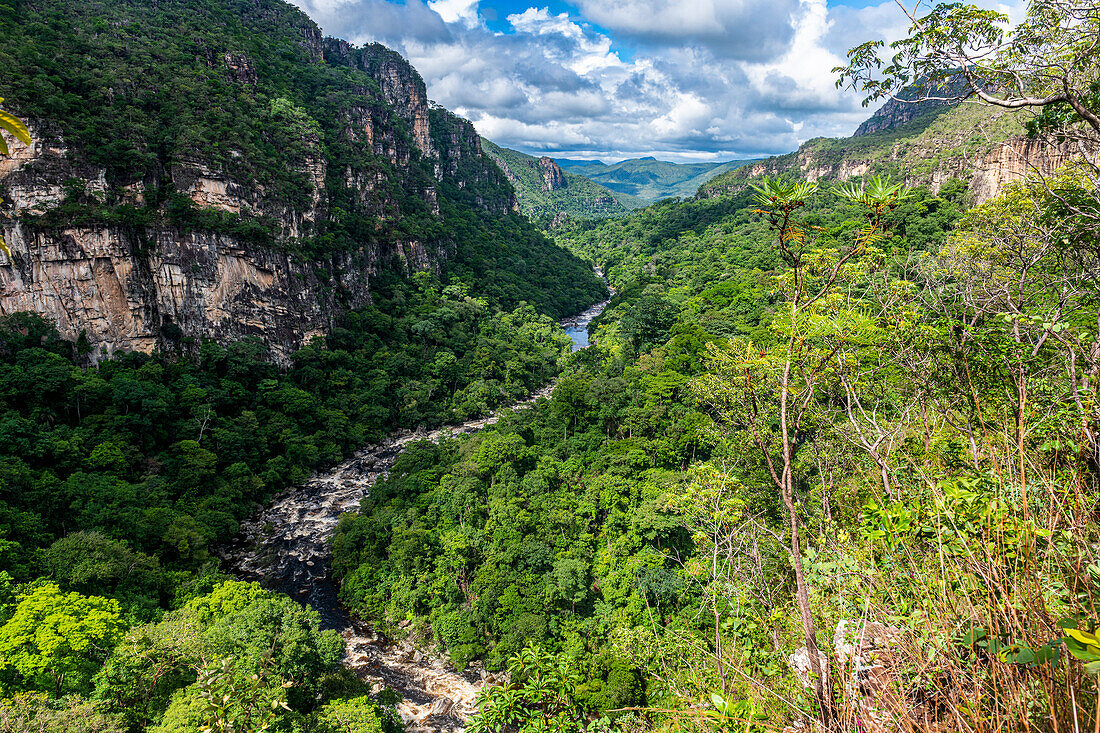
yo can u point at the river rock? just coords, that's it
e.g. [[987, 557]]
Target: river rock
[[286, 547]]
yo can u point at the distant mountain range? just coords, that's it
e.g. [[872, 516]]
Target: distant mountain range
[[544, 189], [641, 181]]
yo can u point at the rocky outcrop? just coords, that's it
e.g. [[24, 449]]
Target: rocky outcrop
[[241, 68], [553, 177], [1015, 160], [987, 166], [145, 288], [401, 85], [126, 292], [909, 105], [143, 278]]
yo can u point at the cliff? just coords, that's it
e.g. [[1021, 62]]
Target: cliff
[[909, 106], [544, 189], [215, 168], [977, 144]]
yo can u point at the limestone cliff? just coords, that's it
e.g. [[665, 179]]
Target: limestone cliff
[[973, 143], [332, 173], [553, 177]]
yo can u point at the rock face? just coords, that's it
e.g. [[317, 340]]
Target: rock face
[[897, 112], [231, 266], [402, 87], [928, 160], [553, 177]]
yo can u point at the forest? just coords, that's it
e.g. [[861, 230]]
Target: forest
[[830, 464]]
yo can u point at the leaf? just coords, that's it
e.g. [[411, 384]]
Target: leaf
[[13, 125]]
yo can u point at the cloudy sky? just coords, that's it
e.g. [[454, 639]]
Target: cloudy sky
[[681, 80]]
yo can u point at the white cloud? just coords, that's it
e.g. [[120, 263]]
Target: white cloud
[[456, 11], [688, 79]]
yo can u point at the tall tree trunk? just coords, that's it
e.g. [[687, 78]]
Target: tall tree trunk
[[823, 691]]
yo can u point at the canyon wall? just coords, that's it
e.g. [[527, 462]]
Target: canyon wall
[[195, 247]]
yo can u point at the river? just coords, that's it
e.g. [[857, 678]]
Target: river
[[286, 548]]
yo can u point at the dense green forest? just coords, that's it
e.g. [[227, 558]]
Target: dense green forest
[[142, 90], [117, 482], [559, 526], [631, 527], [831, 463], [575, 196]]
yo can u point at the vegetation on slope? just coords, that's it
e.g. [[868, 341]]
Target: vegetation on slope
[[139, 88], [579, 198], [938, 144], [588, 526]]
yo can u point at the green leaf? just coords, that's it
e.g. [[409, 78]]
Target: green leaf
[[13, 125]]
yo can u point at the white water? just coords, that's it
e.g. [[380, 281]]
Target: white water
[[286, 548]]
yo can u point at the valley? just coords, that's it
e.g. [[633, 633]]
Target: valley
[[287, 548], [327, 409]]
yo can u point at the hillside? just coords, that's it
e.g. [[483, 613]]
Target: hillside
[[544, 189], [975, 143], [217, 169], [647, 180]]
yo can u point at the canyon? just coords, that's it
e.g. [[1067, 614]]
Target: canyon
[[287, 548]]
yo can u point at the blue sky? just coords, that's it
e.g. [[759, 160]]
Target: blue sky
[[681, 80]]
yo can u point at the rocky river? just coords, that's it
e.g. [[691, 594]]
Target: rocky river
[[286, 548]]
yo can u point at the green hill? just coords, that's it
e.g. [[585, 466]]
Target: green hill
[[543, 188], [649, 179], [957, 142]]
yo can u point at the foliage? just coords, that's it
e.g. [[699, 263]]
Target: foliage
[[33, 712], [579, 198], [357, 715], [237, 703], [157, 95], [56, 640], [147, 461], [538, 697], [236, 658]]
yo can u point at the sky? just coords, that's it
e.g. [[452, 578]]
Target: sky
[[680, 80]]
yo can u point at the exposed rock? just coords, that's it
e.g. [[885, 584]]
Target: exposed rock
[[1014, 160], [801, 664], [553, 177], [872, 678], [896, 112], [241, 68], [401, 85], [987, 173], [125, 289]]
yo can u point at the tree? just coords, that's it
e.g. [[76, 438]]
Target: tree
[[33, 712], [1050, 59], [239, 702], [90, 562], [1049, 63], [58, 640], [361, 714], [538, 697], [753, 389]]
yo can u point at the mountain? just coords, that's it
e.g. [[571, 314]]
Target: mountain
[[543, 188], [924, 144], [217, 168], [647, 180]]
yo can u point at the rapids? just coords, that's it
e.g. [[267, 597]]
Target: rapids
[[286, 548]]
